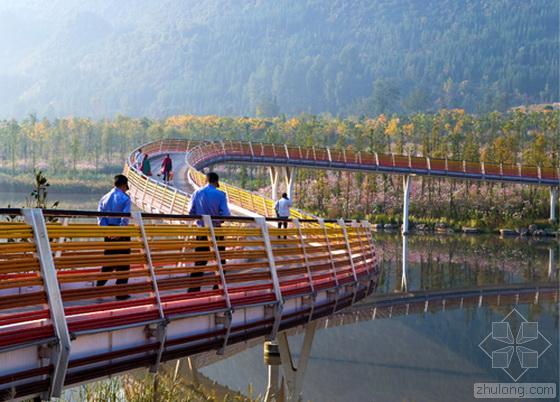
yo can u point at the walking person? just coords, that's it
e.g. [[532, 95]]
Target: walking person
[[116, 200], [138, 157], [166, 167], [282, 208], [146, 166], [208, 200]]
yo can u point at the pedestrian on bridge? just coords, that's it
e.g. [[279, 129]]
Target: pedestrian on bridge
[[208, 200], [282, 208], [116, 200], [138, 157], [146, 167], [166, 167]]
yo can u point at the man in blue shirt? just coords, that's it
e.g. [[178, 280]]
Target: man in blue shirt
[[208, 200], [116, 200]]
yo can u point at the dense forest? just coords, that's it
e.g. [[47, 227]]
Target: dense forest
[[266, 58], [82, 148]]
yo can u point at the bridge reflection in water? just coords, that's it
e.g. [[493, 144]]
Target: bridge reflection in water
[[442, 285]]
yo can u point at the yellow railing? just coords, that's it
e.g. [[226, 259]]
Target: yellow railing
[[153, 196], [241, 263], [64, 278]]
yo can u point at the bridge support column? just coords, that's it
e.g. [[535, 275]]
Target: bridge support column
[[291, 376], [407, 180], [553, 203], [404, 279], [289, 177], [274, 173], [552, 265]]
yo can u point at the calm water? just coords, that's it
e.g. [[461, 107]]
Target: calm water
[[67, 200], [432, 356]]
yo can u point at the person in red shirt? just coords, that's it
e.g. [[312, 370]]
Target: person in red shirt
[[166, 167]]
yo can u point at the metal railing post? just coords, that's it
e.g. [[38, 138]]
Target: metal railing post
[[210, 225], [162, 328], [286, 149], [61, 239], [356, 227], [207, 220], [261, 222], [369, 236], [297, 224], [60, 353], [348, 247], [173, 201], [144, 192], [329, 249]]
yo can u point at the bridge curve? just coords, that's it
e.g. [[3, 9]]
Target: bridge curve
[[207, 154], [60, 324], [57, 327], [200, 155]]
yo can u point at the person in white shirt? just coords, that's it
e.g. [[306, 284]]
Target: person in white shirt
[[282, 208], [138, 157]]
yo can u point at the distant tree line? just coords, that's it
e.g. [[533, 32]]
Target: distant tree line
[[75, 145], [71, 144]]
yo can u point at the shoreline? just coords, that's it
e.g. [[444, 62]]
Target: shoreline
[[501, 232]]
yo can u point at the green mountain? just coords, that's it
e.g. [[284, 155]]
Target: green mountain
[[154, 58]]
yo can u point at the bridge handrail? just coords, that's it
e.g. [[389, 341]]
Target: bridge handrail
[[152, 195], [215, 152], [265, 267]]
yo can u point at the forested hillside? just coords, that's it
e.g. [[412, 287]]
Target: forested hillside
[[99, 58]]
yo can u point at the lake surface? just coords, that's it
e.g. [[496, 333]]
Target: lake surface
[[430, 350], [425, 356], [84, 201]]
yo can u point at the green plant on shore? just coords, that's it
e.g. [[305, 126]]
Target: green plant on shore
[[162, 387], [39, 193]]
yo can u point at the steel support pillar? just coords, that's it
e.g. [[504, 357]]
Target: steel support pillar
[[404, 278], [274, 173], [552, 264], [406, 200], [289, 177], [291, 375], [272, 360], [553, 203]]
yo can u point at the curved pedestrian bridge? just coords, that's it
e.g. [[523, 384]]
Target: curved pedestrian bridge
[[58, 329]]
